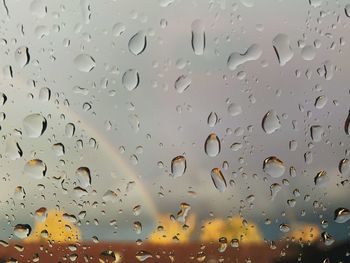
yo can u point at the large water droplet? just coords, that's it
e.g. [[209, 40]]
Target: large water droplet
[[308, 53], [137, 43], [34, 125], [341, 215], [321, 178], [218, 180], [35, 169], [234, 109], [316, 132], [178, 166], [84, 177], [347, 124], [282, 47], [131, 79], [236, 59], [271, 122], [344, 167], [84, 62], [22, 230], [212, 145], [198, 37], [41, 214], [273, 167], [182, 83], [22, 56]]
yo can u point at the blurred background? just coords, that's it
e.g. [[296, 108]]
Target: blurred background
[[174, 131]]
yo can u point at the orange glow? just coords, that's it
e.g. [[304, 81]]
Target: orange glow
[[231, 229], [169, 232], [55, 228], [305, 233]]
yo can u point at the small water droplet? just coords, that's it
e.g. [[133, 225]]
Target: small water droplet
[[320, 102], [234, 109], [143, 255], [212, 119], [316, 132], [41, 214], [347, 10], [218, 179], [327, 239], [347, 124], [118, 29], [212, 145], [69, 130]]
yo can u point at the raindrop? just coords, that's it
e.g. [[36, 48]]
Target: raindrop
[[347, 124], [19, 193], [44, 94], [327, 239], [131, 79], [58, 149], [41, 214], [137, 227], [178, 166], [69, 130], [273, 167], [137, 43], [22, 56], [182, 83], [308, 53], [34, 125], [236, 59], [22, 230], [218, 180], [282, 47], [84, 62], [344, 167], [271, 122], [274, 189], [3, 99], [35, 169], [284, 228], [198, 37], [320, 102], [13, 150], [341, 215], [165, 3], [134, 122], [316, 132], [109, 256], [118, 29], [347, 10], [212, 119], [110, 196], [143, 255], [84, 177], [321, 178], [212, 145], [234, 109]]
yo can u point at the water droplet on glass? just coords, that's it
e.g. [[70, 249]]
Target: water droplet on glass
[[347, 10], [134, 122], [84, 62], [35, 169], [198, 37], [22, 230], [58, 149], [109, 256], [320, 102], [143, 255], [22, 56], [218, 180], [273, 167], [131, 79], [19, 193], [137, 43], [236, 59], [84, 177], [13, 150], [344, 167], [178, 166], [274, 189], [327, 239], [347, 124], [284, 228], [182, 83], [316, 132], [308, 53], [212, 145], [282, 47], [69, 130], [341, 215], [321, 178], [118, 29], [271, 122], [137, 227], [212, 119], [34, 125], [234, 109], [41, 214]]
